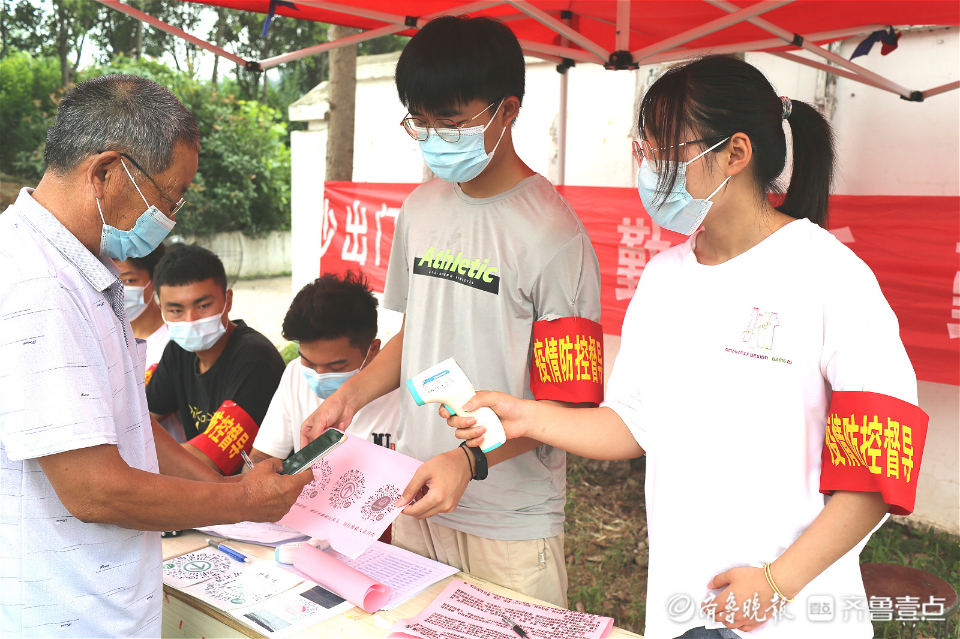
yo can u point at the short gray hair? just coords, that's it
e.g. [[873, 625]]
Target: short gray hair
[[124, 113]]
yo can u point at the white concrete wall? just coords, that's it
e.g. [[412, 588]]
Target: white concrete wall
[[249, 257], [886, 146]]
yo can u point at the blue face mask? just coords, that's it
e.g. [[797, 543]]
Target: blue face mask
[[145, 236], [463, 160], [325, 384], [678, 211]]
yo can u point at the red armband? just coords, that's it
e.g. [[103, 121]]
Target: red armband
[[149, 374], [230, 430], [567, 363], [874, 443]]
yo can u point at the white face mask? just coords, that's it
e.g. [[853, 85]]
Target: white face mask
[[134, 301], [198, 335]]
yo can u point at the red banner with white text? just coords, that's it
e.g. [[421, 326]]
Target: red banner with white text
[[911, 243]]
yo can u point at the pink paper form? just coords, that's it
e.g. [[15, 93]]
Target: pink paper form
[[464, 611], [350, 500]]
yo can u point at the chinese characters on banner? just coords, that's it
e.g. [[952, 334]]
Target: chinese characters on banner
[[910, 243]]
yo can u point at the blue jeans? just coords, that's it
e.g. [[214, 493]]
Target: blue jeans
[[703, 633]]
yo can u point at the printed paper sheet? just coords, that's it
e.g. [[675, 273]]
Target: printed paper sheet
[[405, 572], [464, 611], [264, 534], [292, 612], [195, 567], [249, 584], [350, 500]]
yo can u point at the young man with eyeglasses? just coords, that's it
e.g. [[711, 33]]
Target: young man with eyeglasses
[[493, 268]]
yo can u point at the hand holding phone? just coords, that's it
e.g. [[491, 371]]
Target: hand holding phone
[[312, 452]]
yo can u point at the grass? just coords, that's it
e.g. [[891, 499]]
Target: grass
[[607, 554]]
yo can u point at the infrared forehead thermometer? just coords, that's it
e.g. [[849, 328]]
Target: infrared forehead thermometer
[[446, 383]]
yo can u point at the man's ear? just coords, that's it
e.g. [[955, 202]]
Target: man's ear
[[511, 109], [229, 303], [99, 174], [374, 349]]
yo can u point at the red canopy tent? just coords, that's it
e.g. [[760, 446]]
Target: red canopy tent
[[913, 256], [618, 34]]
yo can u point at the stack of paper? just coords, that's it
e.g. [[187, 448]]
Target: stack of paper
[[464, 611], [256, 533]]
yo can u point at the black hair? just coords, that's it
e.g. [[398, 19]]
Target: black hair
[[123, 113], [331, 307], [188, 264], [149, 262], [717, 96], [455, 59]]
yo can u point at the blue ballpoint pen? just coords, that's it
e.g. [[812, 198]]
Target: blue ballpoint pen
[[246, 459], [230, 552]]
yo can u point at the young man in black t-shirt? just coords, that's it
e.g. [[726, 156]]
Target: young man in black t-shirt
[[219, 374]]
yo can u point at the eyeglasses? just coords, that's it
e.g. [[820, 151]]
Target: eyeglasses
[[177, 204], [445, 128], [643, 149]]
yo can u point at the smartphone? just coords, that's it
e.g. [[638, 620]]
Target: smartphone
[[308, 455]]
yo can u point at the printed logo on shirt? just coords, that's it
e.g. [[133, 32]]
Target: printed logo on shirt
[[760, 329], [758, 336], [473, 272], [383, 439], [200, 417]]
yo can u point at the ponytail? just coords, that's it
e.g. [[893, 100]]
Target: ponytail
[[716, 96], [808, 195]]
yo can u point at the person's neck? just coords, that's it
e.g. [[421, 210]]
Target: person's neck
[[736, 227], [149, 321], [210, 356], [59, 196], [504, 172]]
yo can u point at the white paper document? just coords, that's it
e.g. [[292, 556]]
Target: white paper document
[[249, 584], [292, 612], [264, 534], [407, 573], [196, 567]]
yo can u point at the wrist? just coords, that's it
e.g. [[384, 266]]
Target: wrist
[[462, 461], [789, 586]]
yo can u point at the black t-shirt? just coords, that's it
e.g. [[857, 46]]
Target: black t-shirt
[[247, 372]]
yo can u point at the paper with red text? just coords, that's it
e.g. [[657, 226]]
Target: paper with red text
[[350, 500]]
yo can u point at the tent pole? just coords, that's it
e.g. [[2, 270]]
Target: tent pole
[[623, 25], [829, 69], [565, 31], [172, 30], [706, 29], [943, 88], [787, 36], [562, 52], [333, 44], [562, 131]]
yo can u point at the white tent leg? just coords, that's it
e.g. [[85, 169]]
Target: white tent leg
[[943, 88], [562, 131]]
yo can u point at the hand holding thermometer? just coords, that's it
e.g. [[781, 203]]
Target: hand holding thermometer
[[446, 383]]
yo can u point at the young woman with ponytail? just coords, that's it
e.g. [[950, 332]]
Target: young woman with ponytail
[[760, 369]]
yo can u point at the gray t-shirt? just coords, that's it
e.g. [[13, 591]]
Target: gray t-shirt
[[472, 275]]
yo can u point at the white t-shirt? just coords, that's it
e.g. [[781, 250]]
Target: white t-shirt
[[724, 377], [294, 401], [156, 342], [71, 376]]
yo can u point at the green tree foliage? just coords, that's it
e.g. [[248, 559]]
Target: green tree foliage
[[243, 179], [29, 92]]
